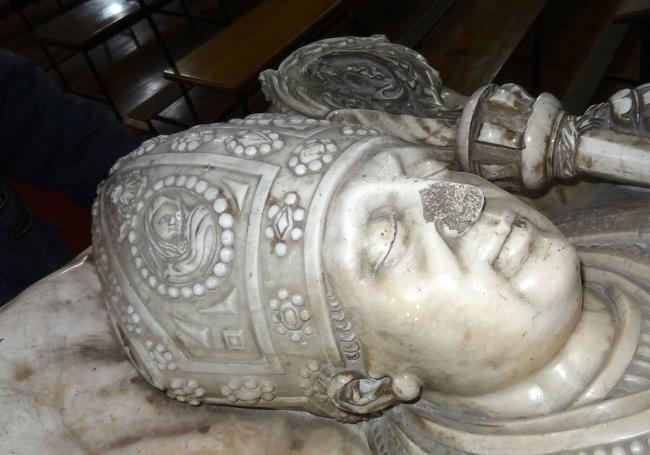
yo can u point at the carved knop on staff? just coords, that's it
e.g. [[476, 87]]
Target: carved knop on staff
[[506, 135]]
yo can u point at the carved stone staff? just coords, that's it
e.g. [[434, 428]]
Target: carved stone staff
[[505, 134], [500, 132]]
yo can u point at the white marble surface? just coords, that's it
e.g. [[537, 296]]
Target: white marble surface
[[67, 388]]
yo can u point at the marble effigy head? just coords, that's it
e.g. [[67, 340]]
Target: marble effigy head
[[285, 262]]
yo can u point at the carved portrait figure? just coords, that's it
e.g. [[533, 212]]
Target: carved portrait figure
[[363, 254]]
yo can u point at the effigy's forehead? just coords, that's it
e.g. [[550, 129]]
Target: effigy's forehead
[[208, 245]]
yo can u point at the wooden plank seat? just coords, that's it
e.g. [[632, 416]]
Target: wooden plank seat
[[234, 57], [633, 10], [169, 105], [92, 23], [470, 45], [150, 108]]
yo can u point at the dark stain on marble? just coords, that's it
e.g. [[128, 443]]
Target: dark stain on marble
[[23, 372]]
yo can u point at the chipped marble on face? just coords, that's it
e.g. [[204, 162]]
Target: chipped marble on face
[[68, 388], [453, 204]]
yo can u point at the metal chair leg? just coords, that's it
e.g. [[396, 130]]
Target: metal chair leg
[[107, 51], [102, 85], [188, 15], [134, 37], [54, 65], [190, 104]]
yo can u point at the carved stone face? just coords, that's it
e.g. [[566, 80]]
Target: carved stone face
[[447, 277]]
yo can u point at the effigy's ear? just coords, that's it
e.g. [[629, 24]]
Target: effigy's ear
[[361, 395]]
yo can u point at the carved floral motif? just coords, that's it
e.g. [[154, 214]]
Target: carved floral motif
[[287, 220], [253, 143], [123, 194], [314, 379], [161, 357], [186, 391], [248, 391], [291, 316], [313, 156]]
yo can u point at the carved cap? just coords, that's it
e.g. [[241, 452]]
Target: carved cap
[[208, 246]]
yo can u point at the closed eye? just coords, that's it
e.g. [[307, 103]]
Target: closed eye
[[381, 232]]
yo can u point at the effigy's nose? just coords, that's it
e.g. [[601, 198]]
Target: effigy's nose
[[455, 205]]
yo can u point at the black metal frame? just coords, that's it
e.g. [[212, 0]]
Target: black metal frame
[[144, 13]]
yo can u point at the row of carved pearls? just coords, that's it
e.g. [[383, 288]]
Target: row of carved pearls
[[291, 316], [129, 318], [640, 446], [248, 391], [286, 223], [264, 119], [344, 330], [186, 391], [227, 237], [352, 130]]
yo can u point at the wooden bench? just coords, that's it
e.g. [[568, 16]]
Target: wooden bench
[[234, 57], [150, 109], [470, 45], [94, 22]]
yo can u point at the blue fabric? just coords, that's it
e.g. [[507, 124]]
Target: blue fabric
[[55, 141]]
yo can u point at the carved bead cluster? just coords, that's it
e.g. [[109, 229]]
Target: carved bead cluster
[[286, 223], [248, 391], [313, 156], [192, 140], [252, 143], [314, 380], [186, 391], [162, 358], [127, 314], [225, 253], [123, 194], [131, 319], [291, 316]]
